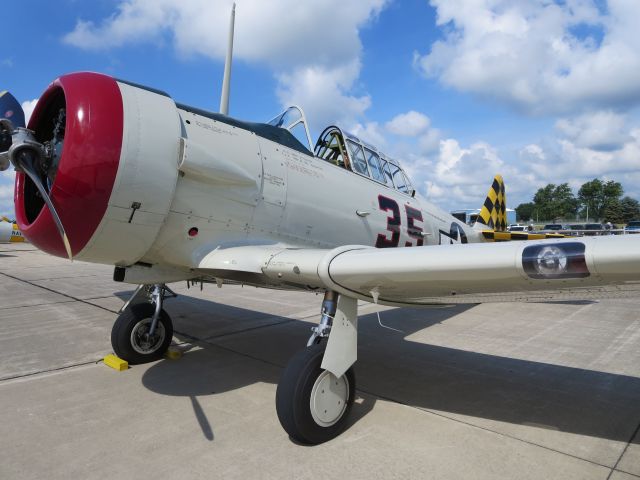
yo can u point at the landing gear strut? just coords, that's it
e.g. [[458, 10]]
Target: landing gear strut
[[321, 332], [143, 332], [311, 401]]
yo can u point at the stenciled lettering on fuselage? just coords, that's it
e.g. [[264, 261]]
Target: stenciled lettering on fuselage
[[454, 235], [391, 238]]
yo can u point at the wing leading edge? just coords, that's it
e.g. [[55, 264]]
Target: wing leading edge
[[564, 269]]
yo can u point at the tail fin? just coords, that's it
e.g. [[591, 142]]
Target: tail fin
[[494, 211]]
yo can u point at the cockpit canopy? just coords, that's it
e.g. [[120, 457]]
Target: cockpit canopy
[[346, 150], [293, 120]]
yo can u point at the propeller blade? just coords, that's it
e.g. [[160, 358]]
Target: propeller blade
[[6, 129], [11, 109], [26, 163]]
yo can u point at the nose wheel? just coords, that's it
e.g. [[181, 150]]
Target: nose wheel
[[133, 339], [312, 403]]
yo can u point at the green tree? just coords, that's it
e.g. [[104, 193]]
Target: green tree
[[543, 200], [565, 204], [597, 195], [555, 201], [524, 211], [630, 209], [612, 212], [591, 197]]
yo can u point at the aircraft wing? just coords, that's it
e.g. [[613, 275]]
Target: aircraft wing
[[557, 269]]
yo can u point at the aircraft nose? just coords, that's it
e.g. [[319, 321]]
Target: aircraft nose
[[79, 123]]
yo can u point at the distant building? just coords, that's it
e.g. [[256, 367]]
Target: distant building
[[469, 215]]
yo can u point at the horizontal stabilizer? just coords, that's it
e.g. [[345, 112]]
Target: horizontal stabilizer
[[494, 236]]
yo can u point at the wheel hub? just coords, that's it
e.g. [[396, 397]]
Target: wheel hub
[[144, 343], [329, 398]]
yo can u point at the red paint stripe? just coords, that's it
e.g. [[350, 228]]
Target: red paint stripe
[[89, 162]]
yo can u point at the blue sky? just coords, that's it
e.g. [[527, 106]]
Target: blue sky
[[458, 90]]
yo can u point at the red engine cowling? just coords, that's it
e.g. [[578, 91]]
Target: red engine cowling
[[116, 168]]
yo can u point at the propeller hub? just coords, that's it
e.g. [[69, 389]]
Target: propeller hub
[[25, 144]]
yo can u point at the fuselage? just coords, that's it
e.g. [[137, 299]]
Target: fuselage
[[139, 179], [296, 200]]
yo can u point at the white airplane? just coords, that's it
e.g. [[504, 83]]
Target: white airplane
[[116, 173], [9, 231]]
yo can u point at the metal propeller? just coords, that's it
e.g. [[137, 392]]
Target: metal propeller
[[24, 160], [20, 148]]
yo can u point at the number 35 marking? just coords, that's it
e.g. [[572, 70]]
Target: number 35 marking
[[394, 221]]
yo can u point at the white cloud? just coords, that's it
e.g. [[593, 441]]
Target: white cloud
[[324, 93], [451, 177], [408, 124], [593, 145], [7, 177], [458, 176], [28, 108], [580, 153], [283, 33], [533, 152], [539, 56], [370, 132], [429, 141], [457, 165], [601, 131], [313, 48], [6, 192]]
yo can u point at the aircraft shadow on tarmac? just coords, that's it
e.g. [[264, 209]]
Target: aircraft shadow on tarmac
[[447, 380]]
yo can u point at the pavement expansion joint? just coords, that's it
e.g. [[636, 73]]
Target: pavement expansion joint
[[250, 329], [489, 430], [635, 433], [49, 371], [38, 304], [227, 349], [56, 292], [622, 471], [64, 277]]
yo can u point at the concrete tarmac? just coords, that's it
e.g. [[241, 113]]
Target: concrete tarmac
[[514, 391]]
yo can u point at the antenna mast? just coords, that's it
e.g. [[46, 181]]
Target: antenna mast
[[224, 98]]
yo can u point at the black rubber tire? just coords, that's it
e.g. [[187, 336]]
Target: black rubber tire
[[293, 397], [121, 334]]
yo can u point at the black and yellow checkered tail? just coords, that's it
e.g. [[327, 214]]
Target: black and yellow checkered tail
[[494, 211]]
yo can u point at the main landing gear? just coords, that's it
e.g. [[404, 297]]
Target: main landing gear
[[317, 387], [143, 332]]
